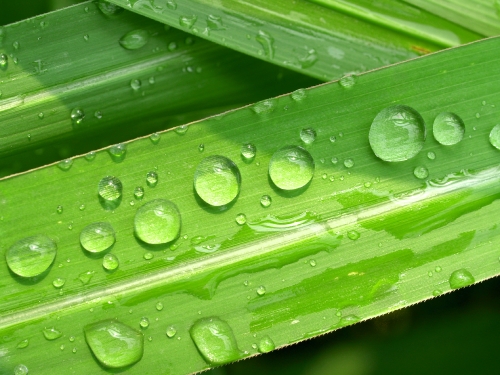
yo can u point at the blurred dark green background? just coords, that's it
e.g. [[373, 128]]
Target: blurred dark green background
[[453, 334]]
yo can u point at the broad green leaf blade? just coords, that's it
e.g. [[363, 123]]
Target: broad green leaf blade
[[298, 35], [363, 238], [480, 16], [72, 59], [405, 18]]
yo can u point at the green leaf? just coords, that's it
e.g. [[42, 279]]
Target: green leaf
[[302, 36], [58, 70], [480, 16], [363, 238]]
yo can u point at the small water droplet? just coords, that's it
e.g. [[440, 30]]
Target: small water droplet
[[144, 322], [139, 192], [16, 45], [114, 344], [264, 107], [171, 331], [215, 341], [333, 139], [261, 290], [85, 277], [59, 209], [299, 95], [266, 344], [20, 370], [478, 115], [267, 43], [448, 128], [89, 156], [217, 180], [397, 133], [155, 138], [437, 292], [201, 147], [157, 222], [181, 130], [31, 256], [421, 172], [241, 219], [110, 189], [148, 256], [134, 39], [461, 278], [77, 116], [348, 81], [215, 23], [495, 136], [291, 168], [438, 269], [265, 201], [86, 37], [51, 333], [353, 235], [431, 155], [187, 21], [312, 263], [65, 165], [4, 60], [159, 306], [110, 262], [152, 179], [23, 344], [308, 135], [348, 163], [109, 9], [248, 151], [59, 282], [117, 152], [135, 84]]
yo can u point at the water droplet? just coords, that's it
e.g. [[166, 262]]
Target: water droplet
[[23, 344], [16, 45], [248, 151], [215, 23], [266, 344], [114, 344], [333, 139], [264, 107], [148, 256], [77, 116], [86, 37], [291, 167], [51, 333], [109, 9], [421, 172], [135, 84], [159, 306], [495, 136], [110, 262], [478, 115], [59, 282], [134, 39], [85, 277], [155, 138], [397, 133], [217, 180], [187, 21], [437, 292], [117, 152], [110, 189], [152, 179], [144, 322], [59, 209], [261, 290], [267, 43], [348, 81], [299, 95], [448, 128], [89, 156], [4, 60], [215, 341], [438, 269], [348, 163], [201, 147], [72, 338], [139, 192], [461, 278], [20, 370], [31, 256], [312, 263], [353, 235], [308, 135], [181, 130], [171, 331], [241, 219], [65, 165], [157, 222], [431, 155], [265, 201]]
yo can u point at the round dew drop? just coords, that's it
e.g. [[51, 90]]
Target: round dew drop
[[117, 152], [266, 344], [308, 135], [135, 84], [139, 192], [261, 290], [31, 256], [155, 138], [348, 81], [20, 370], [58, 283], [114, 344], [52, 333], [495, 136], [448, 128], [461, 278], [157, 222], [299, 95], [110, 189], [241, 219], [152, 179], [134, 39], [110, 262], [217, 180], [171, 332], [421, 172], [108, 9], [144, 322], [265, 201], [291, 167], [97, 237], [248, 151], [397, 133], [77, 116]]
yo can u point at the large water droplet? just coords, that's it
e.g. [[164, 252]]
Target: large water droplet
[[291, 167], [110, 189], [266, 344], [461, 278], [77, 116], [97, 237], [495, 136], [109, 9], [117, 152], [308, 135], [134, 39], [217, 180], [20, 370], [51, 333], [397, 133], [31, 256], [157, 222], [114, 344], [215, 341], [110, 262], [448, 128]]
